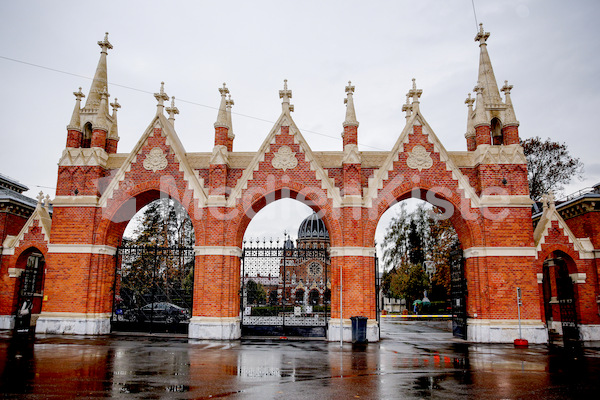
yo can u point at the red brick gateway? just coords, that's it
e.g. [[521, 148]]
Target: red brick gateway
[[483, 190]]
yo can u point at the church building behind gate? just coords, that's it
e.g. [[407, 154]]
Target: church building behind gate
[[482, 189]]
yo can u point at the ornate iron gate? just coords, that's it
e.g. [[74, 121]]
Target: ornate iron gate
[[568, 310], [153, 289], [31, 287], [458, 294], [285, 290]]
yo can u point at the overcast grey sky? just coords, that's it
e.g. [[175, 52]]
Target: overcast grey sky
[[549, 51]]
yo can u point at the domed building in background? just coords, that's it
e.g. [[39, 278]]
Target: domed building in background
[[305, 267]]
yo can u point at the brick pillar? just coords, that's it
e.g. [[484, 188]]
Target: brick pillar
[[483, 135], [74, 138], [99, 138], [511, 134], [111, 145]]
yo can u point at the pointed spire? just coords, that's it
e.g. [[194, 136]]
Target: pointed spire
[[222, 114], [75, 123], [470, 127], [407, 108], [101, 122], [509, 117], [161, 97], [286, 95], [114, 130], [349, 101], [415, 94], [100, 78], [172, 111], [480, 115], [229, 103], [486, 78]]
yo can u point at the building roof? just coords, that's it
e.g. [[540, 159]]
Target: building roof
[[312, 227], [12, 184]]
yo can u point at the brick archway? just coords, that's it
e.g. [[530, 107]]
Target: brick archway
[[486, 184]]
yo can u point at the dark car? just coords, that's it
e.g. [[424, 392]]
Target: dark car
[[158, 312]]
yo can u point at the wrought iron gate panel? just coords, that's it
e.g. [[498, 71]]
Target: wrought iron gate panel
[[568, 309], [153, 288], [30, 292], [284, 290], [458, 294]]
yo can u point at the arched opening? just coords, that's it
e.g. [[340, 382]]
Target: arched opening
[[154, 279], [561, 299], [422, 265], [30, 289], [286, 252], [86, 140], [496, 129]]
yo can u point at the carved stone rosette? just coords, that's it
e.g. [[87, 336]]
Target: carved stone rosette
[[155, 160], [419, 158], [284, 159]]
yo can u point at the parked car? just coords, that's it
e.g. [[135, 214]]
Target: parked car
[[158, 312]]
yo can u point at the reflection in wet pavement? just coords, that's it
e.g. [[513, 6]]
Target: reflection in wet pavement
[[413, 360]]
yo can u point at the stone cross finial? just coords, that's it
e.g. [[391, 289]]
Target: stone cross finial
[[172, 111], [551, 198], [506, 88], [224, 90], [104, 93], [105, 44], [478, 88], [115, 105], [407, 108], [482, 36], [40, 197], [286, 95], [349, 88], [415, 94], [161, 97], [47, 202], [229, 102], [79, 94], [469, 101]]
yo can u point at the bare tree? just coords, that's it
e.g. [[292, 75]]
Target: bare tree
[[549, 166]]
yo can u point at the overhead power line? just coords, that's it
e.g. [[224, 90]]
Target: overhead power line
[[178, 99]]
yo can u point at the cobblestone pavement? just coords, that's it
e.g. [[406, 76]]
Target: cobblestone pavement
[[414, 360]]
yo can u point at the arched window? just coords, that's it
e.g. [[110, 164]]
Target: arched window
[[497, 138], [86, 140]]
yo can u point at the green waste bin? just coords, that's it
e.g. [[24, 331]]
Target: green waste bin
[[359, 329]]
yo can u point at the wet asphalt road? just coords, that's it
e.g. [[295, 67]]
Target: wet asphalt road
[[414, 360]]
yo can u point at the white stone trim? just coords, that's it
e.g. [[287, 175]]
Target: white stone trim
[[353, 200], [506, 201], [352, 251], [218, 251], [540, 278], [590, 332], [75, 201], [15, 272], [216, 328], [82, 249], [506, 331], [582, 246], [333, 330], [500, 252], [7, 322], [578, 277], [73, 323]]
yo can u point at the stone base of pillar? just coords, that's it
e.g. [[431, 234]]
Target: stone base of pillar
[[215, 328], [7, 322], [64, 323], [333, 330], [505, 331]]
